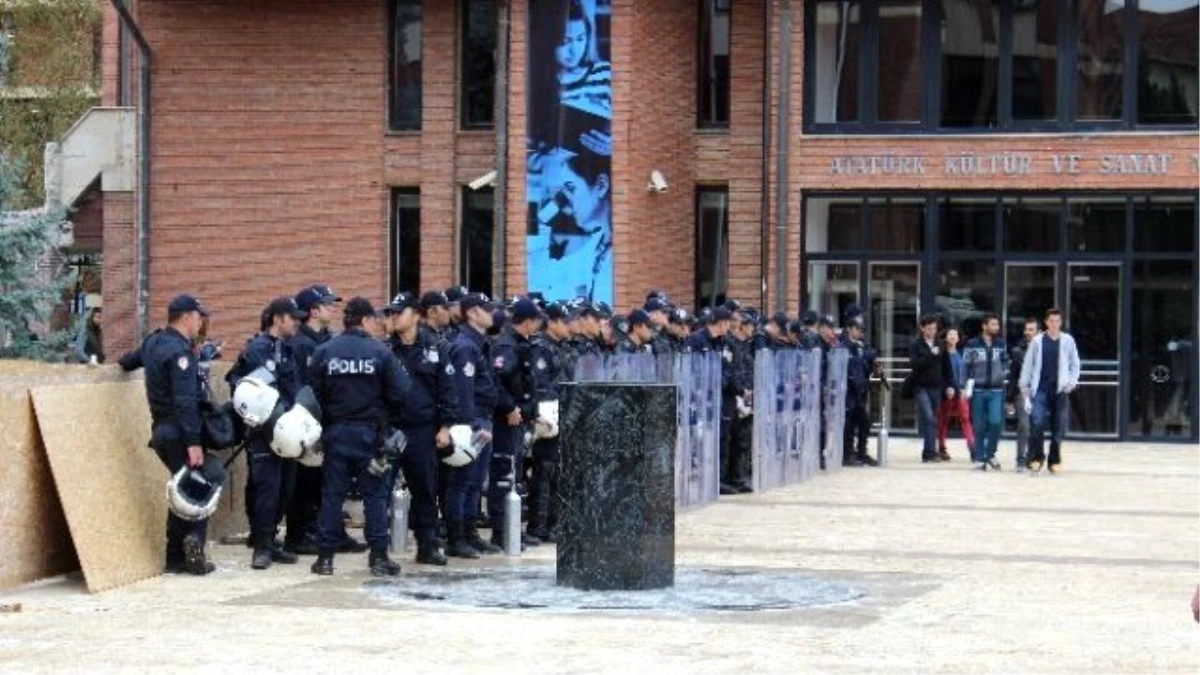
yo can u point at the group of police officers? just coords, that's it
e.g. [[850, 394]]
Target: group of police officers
[[428, 365]]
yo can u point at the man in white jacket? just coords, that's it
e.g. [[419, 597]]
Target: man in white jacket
[[1048, 376]]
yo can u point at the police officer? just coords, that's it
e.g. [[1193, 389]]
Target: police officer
[[359, 384], [431, 410], [477, 397], [173, 390], [318, 303], [713, 339], [553, 364], [271, 475], [435, 313], [456, 314], [859, 368], [586, 330], [826, 341], [639, 335], [777, 332], [808, 338], [678, 328], [516, 409], [743, 343], [660, 320]]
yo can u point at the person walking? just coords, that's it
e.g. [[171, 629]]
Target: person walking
[[1048, 376]]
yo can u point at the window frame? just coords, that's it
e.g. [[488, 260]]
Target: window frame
[[1066, 79], [395, 277], [394, 126], [702, 79], [465, 124]]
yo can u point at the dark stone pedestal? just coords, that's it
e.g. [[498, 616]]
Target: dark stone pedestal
[[617, 487]]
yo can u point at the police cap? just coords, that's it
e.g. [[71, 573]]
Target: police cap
[[358, 308], [434, 299], [525, 309], [401, 302], [475, 300], [680, 317], [721, 314], [827, 320], [656, 304], [639, 317], [186, 303], [456, 294], [284, 305], [556, 311], [810, 318]]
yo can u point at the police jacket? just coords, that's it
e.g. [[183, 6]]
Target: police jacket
[[662, 343], [471, 355], [987, 366], [513, 361], [173, 387], [303, 344], [553, 364], [743, 361], [929, 370], [626, 345], [433, 398], [859, 367], [809, 340], [357, 380], [704, 342], [275, 355], [580, 345]]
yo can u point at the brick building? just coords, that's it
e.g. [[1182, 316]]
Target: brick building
[[907, 156]]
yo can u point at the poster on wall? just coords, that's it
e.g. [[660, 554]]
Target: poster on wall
[[568, 236]]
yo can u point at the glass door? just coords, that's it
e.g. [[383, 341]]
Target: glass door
[[895, 305], [1029, 290], [1094, 320], [832, 287], [1162, 350]]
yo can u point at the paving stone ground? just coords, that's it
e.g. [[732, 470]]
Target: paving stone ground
[[1089, 571]]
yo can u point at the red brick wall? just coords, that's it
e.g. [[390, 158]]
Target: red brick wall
[[269, 122], [117, 275]]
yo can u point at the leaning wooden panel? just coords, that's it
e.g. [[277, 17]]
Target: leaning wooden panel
[[112, 487], [36, 542]]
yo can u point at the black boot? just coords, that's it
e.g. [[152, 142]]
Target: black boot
[[382, 565], [866, 460], [194, 560], [456, 542], [307, 545], [471, 534], [428, 553], [351, 545], [261, 559], [281, 555], [323, 565]]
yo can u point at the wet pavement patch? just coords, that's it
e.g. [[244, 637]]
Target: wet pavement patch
[[696, 591]]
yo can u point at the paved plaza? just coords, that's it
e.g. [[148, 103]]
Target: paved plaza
[[950, 570]]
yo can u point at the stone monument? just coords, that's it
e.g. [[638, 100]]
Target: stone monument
[[617, 487]]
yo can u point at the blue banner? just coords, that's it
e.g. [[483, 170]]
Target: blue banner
[[569, 150]]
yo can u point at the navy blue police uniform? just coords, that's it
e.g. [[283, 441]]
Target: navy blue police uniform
[[432, 405], [174, 393], [859, 366], [513, 362], [552, 365], [477, 395], [359, 384], [270, 476]]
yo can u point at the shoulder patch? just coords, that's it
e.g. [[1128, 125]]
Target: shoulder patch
[[450, 369], [499, 363], [183, 362], [541, 364], [469, 369]]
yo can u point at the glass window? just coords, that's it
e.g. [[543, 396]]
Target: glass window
[[896, 225], [1035, 60], [1096, 225], [970, 62], [1164, 224], [478, 76], [405, 260], [833, 225], [1031, 225], [900, 76], [712, 246], [1164, 348], [832, 287], [1168, 78], [1029, 290], [967, 224], [475, 239], [1100, 65], [405, 113], [837, 45], [966, 290], [713, 66]]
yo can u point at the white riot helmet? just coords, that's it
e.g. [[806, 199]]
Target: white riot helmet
[[193, 494], [464, 446], [313, 456], [254, 399], [297, 429], [546, 424]]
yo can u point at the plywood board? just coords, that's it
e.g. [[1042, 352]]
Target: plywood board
[[32, 526], [110, 484]]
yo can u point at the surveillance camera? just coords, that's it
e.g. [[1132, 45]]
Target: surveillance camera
[[486, 180], [658, 182]]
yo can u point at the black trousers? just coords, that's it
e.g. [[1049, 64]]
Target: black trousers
[[543, 489], [174, 456], [305, 504], [272, 478], [419, 464]]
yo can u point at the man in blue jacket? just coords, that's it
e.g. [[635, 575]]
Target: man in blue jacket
[[986, 362]]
